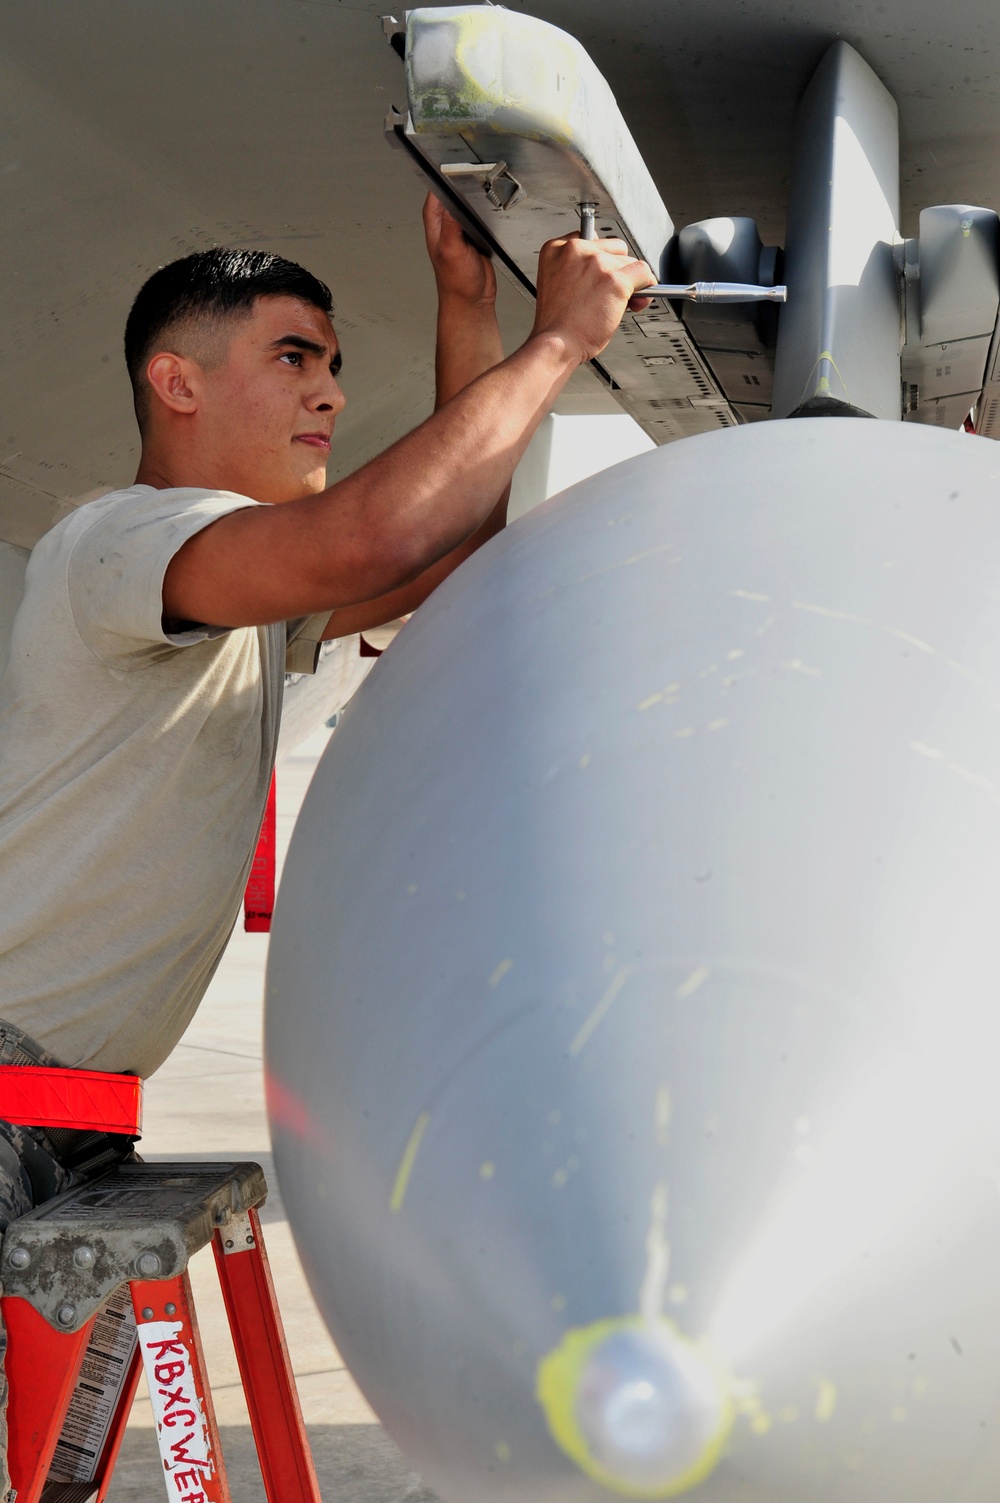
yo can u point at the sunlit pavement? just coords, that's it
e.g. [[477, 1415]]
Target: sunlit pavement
[[207, 1103]]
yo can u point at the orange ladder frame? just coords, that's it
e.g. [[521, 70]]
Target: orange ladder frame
[[43, 1365]]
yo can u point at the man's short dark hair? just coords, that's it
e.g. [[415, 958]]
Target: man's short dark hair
[[210, 285]]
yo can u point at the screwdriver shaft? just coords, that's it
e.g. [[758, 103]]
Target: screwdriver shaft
[[716, 292]]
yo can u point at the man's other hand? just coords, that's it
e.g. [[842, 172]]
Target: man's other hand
[[584, 288], [462, 272]]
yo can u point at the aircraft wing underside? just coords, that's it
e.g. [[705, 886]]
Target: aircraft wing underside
[[134, 134]]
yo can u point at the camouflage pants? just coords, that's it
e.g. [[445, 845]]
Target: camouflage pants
[[29, 1175]]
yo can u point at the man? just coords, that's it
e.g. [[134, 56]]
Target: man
[[141, 700]]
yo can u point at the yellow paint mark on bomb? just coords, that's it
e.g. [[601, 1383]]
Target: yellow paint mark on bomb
[[826, 1401], [667, 695], [661, 1115], [697, 979], [407, 1161], [697, 1389], [823, 384], [599, 1013]]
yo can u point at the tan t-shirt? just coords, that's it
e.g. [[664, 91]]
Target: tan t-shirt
[[134, 770]]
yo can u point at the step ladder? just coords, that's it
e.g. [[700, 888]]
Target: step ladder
[[96, 1290]]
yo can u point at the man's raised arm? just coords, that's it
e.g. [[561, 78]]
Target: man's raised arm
[[468, 345], [373, 534]]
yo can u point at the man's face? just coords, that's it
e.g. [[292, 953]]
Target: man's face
[[270, 404]]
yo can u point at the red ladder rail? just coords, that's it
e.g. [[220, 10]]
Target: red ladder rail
[[113, 1444], [42, 1366], [279, 1431]]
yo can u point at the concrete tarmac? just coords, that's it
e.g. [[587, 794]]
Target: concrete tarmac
[[207, 1102]]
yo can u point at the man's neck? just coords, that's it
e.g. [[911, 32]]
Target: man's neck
[[164, 472], [151, 473]]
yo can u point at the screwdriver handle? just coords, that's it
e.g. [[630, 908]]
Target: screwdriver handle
[[588, 218]]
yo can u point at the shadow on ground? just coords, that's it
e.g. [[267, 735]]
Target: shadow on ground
[[354, 1464]]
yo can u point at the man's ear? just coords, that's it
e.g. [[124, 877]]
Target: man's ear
[[173, 380]]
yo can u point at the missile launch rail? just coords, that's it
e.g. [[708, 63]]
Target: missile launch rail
[[517, 131]]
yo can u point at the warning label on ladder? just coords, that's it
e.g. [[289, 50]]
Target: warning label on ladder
[[92, 1408]]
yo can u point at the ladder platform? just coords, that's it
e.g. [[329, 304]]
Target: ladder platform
[[139, 1221]]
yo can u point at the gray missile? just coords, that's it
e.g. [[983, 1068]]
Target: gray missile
[[633, 1032]]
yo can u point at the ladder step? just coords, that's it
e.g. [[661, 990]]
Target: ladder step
[[70, 1492], [137, 1221]]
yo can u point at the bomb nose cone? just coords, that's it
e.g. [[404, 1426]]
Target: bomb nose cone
[[648, 1407], [637, 1406]]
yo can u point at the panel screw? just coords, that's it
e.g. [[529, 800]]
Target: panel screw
[[147, 1314], [84, 1257], [66, 1314], [148, 1264], [20, 1257], [171, 1309]]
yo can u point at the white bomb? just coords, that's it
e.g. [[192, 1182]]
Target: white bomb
[[632, 1023]]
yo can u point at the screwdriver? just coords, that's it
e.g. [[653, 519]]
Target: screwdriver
[[716, 292], [693, 292]]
